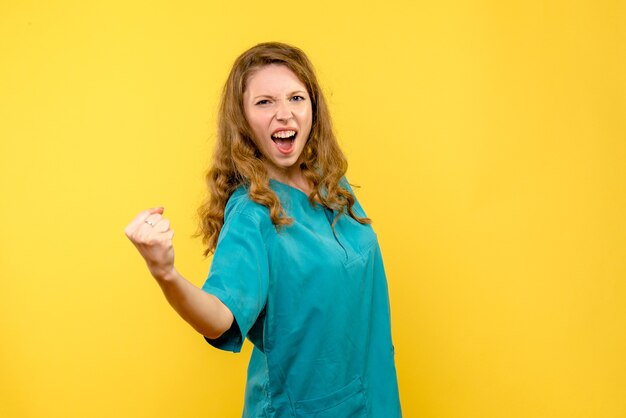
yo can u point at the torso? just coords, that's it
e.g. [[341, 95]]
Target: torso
[[323, 339]]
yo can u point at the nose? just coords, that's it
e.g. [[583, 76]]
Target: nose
[[283, 111]]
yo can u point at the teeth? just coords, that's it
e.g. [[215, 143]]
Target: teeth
[[284, 134]]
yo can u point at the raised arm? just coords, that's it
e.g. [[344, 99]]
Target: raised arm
[[151, 234]]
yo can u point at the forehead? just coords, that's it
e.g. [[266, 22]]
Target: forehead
[[273, 79]]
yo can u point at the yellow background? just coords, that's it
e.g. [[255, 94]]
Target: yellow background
[[489, 139]]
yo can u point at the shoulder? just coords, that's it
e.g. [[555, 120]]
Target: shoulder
[[343, 182], [357, 208], [241, 208]]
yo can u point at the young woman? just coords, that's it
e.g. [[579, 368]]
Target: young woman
[[296, 268]]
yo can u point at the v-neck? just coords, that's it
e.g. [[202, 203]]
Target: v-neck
[[290, 187]]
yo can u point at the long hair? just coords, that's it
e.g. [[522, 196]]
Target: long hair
[[237, 159]]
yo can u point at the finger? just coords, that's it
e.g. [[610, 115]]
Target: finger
[[153, 219], [162, 225], [147, 229], [153, 238], [146, 232], [140, 219], [147, 235], [150, 223]]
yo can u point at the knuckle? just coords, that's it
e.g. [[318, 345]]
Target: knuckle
[[140, 238]]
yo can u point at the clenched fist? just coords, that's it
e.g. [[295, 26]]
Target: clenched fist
[[150, 232]]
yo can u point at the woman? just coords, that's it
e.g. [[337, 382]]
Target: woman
[[297, 268]]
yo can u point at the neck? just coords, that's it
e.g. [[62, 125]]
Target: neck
[[291, 176]]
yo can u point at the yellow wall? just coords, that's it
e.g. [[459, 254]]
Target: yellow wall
[[489, 139]]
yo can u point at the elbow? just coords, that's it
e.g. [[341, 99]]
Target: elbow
[[213, 334], [222, 321], [217, 330]]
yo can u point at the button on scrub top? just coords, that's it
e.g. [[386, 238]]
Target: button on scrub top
[[313, 301]]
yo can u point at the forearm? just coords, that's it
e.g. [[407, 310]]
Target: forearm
[[152, 236], [203, 311]]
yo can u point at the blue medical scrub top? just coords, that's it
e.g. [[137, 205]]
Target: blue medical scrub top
[[313, 301]]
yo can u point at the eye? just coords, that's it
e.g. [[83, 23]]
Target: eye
[[298, 98], [262, 102]]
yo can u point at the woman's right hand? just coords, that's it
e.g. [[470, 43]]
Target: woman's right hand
[[151, 234]]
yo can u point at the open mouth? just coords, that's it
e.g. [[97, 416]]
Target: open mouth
[[284, 140]]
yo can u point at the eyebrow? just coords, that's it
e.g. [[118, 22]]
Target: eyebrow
[[290, 94]]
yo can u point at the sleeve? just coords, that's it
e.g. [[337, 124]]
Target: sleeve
[[239, 277]]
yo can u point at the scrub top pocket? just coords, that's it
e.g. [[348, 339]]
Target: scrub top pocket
[[349, 401]]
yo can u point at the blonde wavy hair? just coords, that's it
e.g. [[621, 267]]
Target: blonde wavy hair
[[237, 159]]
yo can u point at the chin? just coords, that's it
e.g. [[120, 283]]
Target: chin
[[285, 164]]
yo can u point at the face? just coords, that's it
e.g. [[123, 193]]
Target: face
[[278, 109]]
